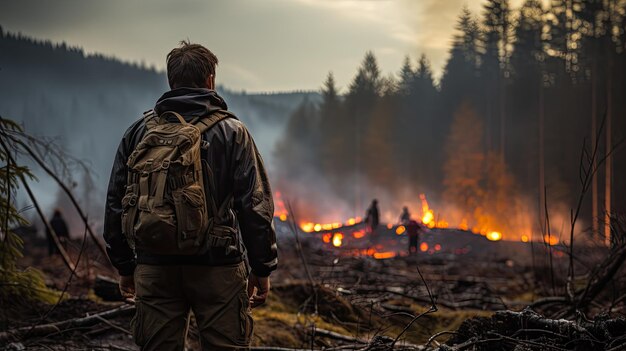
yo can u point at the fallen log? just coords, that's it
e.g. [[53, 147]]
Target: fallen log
[[507, 328], [56, 327], [337, 336]]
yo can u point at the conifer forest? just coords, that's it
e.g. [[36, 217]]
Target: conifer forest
[[474, 202]]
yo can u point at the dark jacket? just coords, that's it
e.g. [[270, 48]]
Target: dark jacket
[[238, 171]]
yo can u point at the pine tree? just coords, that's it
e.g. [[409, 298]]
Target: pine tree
[[19, 287], [465, 161], [494, 69], [407, 78], [367, 83], [333, 126]]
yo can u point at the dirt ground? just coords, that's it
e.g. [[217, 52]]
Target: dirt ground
[[344, 299]]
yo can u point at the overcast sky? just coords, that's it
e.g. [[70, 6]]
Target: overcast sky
[[262, 45]]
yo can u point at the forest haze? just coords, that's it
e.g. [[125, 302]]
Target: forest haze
[[498, 140], [84, 103], [522, 93]]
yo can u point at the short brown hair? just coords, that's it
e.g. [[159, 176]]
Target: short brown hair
[[189, 65]]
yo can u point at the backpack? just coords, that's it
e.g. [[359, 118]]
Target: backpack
[[164, 209]]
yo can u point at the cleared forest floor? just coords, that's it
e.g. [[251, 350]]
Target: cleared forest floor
[[347, 302]]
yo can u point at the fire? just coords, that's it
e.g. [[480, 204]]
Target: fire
[[326, 238], [480, 222], [383, 255], [309, 227], [280, 210], [463, 224], [428, 219], [494, 236], [428, 215], [337, 239], [358, 234], [550, 240]]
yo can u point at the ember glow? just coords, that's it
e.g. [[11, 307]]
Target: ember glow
[[428, 215], [280, 210], [494, 236], [337, 239], [383, 255], [480, 222], [550, 240], [358, 234], [309, 227]]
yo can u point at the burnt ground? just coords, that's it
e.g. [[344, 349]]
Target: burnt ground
[[481, 290]]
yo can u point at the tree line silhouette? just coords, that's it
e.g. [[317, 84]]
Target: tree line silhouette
[[521, 93]]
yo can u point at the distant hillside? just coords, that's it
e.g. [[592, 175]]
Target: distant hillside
[[86, 101]]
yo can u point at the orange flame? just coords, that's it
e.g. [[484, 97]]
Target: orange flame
[[383, 255], [550, 240], [280, 210], [423, 247], [428, 215], [358, 234], [307, 227], [494, 236], [337, 239]]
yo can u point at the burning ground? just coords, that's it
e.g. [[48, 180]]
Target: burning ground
[[461, 291]]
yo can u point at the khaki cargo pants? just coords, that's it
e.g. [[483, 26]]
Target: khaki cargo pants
[[216, 295]]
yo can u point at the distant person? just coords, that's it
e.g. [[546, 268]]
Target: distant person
[[58, 224], [413, 229], [372, 217], [188, 203], [405, 217]]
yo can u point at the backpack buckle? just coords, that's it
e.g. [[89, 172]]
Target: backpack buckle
[[133, 200], [165, 164]]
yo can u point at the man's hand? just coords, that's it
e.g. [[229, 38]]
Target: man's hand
[[127, 286], [258, 289]]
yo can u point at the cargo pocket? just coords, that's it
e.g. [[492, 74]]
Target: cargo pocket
[[191, 216], [235, 326], [246, 322], [136, 324]]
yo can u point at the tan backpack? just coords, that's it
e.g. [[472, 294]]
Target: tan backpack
[[164, 210]]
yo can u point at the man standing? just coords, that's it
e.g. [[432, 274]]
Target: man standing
[[372, 217], [58, 224], [155, 222]]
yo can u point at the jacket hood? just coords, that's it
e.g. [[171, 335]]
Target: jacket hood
[[190, 102]]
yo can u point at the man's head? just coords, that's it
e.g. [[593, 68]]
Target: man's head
[[191, 65]]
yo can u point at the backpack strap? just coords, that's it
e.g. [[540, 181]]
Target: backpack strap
[[205, 123], [150, 119]]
